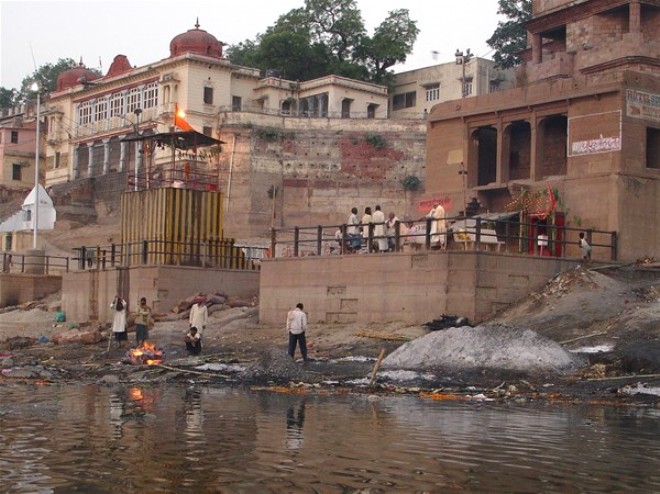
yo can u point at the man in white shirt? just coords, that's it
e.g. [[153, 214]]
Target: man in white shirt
[[199, 315], [296, 325]]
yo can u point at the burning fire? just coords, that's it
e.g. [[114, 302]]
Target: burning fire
[[146, 354]]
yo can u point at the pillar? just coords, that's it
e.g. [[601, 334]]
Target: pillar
[[534, 147], [537, 48], [90, 159], [122, 156], [500, 174], [635, 17], [75, 172], [106, 156]]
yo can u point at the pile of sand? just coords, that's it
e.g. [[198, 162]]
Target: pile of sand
[[493, 347]]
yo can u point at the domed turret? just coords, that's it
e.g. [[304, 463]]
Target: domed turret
[[73, 77], [196, 41]]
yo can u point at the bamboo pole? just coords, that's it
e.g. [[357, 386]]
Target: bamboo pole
[[376, 367]]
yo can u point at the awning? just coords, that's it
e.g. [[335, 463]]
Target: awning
[[471, 222], [497, 216], [179, 140]]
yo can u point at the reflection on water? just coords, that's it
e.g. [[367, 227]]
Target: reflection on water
[[201, 439]]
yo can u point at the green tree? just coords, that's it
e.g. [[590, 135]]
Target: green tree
[[328, 36], [7, 97], [510, 36], [45, 76], [337, 24], [391, 43]]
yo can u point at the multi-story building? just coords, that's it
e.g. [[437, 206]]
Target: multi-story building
[[17, 147], [416, 91], [584, 122], [90, 116]]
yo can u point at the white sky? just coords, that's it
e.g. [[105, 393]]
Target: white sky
[[33, 33]]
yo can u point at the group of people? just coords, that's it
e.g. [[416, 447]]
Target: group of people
[[120, 321], [357, 230], [384, 229], [197, 321]]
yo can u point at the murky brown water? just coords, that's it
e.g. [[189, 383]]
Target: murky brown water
[[197, 439]]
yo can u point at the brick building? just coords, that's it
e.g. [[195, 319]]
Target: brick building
[[584, 121]]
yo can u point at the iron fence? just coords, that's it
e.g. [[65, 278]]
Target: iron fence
[[501, 235], [13, 262], [218, 254]]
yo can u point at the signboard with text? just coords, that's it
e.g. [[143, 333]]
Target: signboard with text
[[643, 105], [594, 134]]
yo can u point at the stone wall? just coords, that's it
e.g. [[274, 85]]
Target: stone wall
[[286, 172], [20, 288], [410, 287], [87, 295]]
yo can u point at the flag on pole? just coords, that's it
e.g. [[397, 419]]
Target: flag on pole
[[180, 120]]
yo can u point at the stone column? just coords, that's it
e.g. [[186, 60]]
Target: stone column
[[122, 156], [75, 172], [635, 17], [138, 158], [537, 48], [534, 146], [106, 156], [500, 175], [90, 159]]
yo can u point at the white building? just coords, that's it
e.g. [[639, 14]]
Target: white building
[[416, 91]]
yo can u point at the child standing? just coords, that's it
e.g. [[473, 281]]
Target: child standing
[[142, 322], [585, 248]]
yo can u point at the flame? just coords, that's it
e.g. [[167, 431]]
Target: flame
[[146, 354], [136, 394]]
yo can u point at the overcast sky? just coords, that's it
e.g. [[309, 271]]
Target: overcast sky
[[33, 33]]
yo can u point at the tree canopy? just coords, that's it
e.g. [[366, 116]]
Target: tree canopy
[[510, 36], [329, 36], [45, 76]]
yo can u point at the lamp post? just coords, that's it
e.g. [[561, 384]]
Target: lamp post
[[35, 210], [462, 59]]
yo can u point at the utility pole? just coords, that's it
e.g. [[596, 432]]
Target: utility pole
[[462, 59]]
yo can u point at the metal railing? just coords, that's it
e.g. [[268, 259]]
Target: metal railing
[[218, 254], [504, 236], [179, 177], [13, 262]]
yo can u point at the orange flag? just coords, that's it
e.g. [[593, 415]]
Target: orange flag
[[180, 120]]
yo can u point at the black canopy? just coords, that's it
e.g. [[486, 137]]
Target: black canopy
[[180, 140]]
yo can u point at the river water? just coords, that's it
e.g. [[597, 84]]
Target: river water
[[177, 438]]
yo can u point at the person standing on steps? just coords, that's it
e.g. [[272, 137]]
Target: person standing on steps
[[296, 325]]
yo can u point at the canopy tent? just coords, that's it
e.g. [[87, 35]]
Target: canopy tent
[[190, 139]]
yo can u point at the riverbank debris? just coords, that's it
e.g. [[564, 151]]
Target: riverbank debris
[[368, 333]]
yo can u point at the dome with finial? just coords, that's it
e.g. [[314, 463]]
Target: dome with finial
[[196, 41], [75, 76]]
